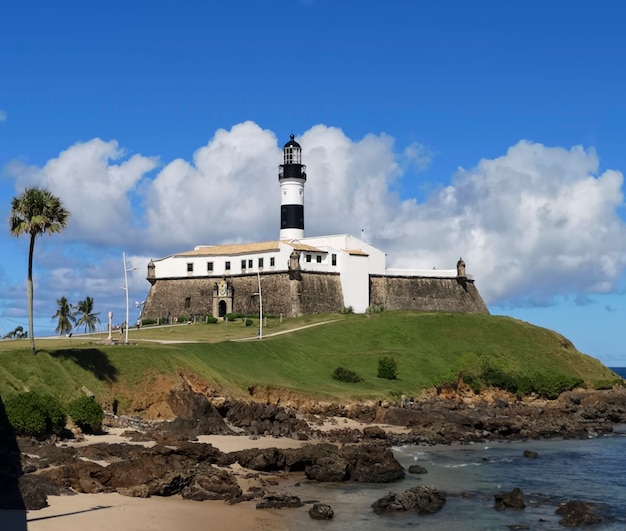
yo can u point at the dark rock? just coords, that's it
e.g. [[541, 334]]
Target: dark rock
[[374, 432], [35, 491], [416, 469], [194, 415], [212, 484], [321, 511], [278, 501], [423, 500], [578, 513], [326, 462], [517, 527], [333, 469], [531, 454], [510, 500]]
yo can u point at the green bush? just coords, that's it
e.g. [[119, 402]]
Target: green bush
[[146, 322], [346, 375], [387, 368], [86, 413], [346, 310], [233, 316], [35, 415], [248, 321], [375, 308], [209, 319]]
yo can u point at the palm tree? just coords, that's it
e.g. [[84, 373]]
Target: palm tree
[[65, 315], [36, 211], [88, 319]]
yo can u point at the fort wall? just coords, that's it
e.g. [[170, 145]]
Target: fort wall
[[426, 294], [314, 293]]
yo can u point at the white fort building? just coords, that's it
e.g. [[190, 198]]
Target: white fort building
[[297, 274]]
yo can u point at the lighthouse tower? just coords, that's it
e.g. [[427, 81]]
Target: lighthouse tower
[[292, 176]]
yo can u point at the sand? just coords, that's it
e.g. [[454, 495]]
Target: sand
[[114, 512], [95, 512], [106, 512]]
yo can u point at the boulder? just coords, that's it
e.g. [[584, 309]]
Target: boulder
[[578, 513], [416, 469], [195, 415], [531, 454], [510, 500], [278, 501], [321, 511], [423, 500]]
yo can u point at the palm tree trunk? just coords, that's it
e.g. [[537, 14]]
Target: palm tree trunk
[[29, 293]]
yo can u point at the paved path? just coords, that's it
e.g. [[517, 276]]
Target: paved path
[[285, 331]]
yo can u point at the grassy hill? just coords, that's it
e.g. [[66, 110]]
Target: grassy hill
[[429, 349]]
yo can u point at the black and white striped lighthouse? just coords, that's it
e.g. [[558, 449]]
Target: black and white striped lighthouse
[[292, 176]]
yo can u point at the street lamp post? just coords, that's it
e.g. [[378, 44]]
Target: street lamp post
[[260, 295], [260, 307], [126, 270]]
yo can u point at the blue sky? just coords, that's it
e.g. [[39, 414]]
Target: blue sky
[[488, 130]]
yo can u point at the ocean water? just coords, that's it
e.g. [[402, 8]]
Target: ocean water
[[619, 370], [592, 470]]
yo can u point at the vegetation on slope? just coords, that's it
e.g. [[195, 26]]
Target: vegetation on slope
[[429, 349]]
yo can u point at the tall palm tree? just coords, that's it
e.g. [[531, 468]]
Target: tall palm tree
[[35, 212], [65, 315], [87, 318]]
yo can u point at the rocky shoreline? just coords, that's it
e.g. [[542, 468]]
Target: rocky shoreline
[[320, 442]]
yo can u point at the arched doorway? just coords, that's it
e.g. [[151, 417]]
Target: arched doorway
[[222, 309]]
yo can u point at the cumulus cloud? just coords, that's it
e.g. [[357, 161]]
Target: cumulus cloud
[[534, 224], [93, 188]]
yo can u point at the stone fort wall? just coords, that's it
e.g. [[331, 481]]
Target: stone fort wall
[[313, 293], [426, 294]]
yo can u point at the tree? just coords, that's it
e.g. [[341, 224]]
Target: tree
[[35, 212], [87, 318], [65, 316]]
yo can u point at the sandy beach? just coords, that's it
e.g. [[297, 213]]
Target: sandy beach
[[105, 512]]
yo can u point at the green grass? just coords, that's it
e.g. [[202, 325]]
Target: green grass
[[429, 349]]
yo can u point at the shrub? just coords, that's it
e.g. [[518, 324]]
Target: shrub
[[86, 413], [375, 308], [209, 319], [248, 321], [145, 322], [387, 368], [346, 375], [346, 309], [35, 415]]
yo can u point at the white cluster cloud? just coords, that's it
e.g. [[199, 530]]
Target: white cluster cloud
[[533, 224], [96, 191]]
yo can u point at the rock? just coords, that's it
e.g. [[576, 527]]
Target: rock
[[374, 432], [578, 513], [326, 462], [278, 501], [321, 511], [194, 415], [510, 500], [531, 454], [35, 491], [423, 500], [416, 469]]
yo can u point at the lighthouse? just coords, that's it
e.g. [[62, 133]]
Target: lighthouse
[[292, 176]]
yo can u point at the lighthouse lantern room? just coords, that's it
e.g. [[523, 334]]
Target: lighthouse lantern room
[[292, 176]]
